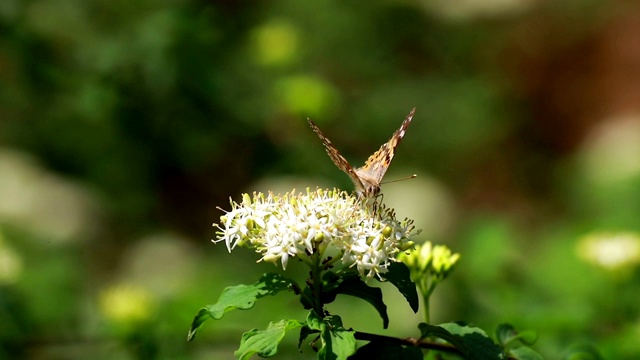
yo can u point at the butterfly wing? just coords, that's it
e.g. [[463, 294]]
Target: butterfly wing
[[337, 158], [373, 170]]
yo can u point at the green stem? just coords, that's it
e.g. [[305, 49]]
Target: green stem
[[426, 288], [316, 282], [425, 299]]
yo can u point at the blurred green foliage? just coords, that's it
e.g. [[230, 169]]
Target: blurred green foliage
[[123, 125]]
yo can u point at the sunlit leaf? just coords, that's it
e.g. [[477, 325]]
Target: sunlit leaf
[[240, 297], [265, 342], [338, 342]]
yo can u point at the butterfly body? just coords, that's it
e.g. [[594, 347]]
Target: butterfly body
[[367, 178]]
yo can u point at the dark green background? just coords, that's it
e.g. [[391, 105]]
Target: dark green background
[[123, 125]]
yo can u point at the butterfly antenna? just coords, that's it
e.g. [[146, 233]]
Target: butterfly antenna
[[402, 179]]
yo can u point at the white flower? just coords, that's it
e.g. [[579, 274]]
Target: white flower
[[300, 225]]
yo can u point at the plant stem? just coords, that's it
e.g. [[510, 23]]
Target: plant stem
[[426, 294], [316, 282], [426, 287]]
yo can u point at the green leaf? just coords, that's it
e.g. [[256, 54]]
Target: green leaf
[[305, 332], [352, 285], [241, 297], [524, 353], [427, 330], [384, 350], [313, 325], [202, 316], [265, 342], [314, 322], [507, 334], [338, 343], [472, 341], [400, 276]]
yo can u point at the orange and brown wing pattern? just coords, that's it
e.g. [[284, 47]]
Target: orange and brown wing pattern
[[373, 170], [368, 177], [337, 158]]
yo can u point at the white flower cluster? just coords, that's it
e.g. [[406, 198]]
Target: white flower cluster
[[294, 224]]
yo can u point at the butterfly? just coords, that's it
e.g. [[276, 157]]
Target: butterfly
[[368, 177]]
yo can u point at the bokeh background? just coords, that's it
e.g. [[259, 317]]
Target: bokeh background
[[124, 125]]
